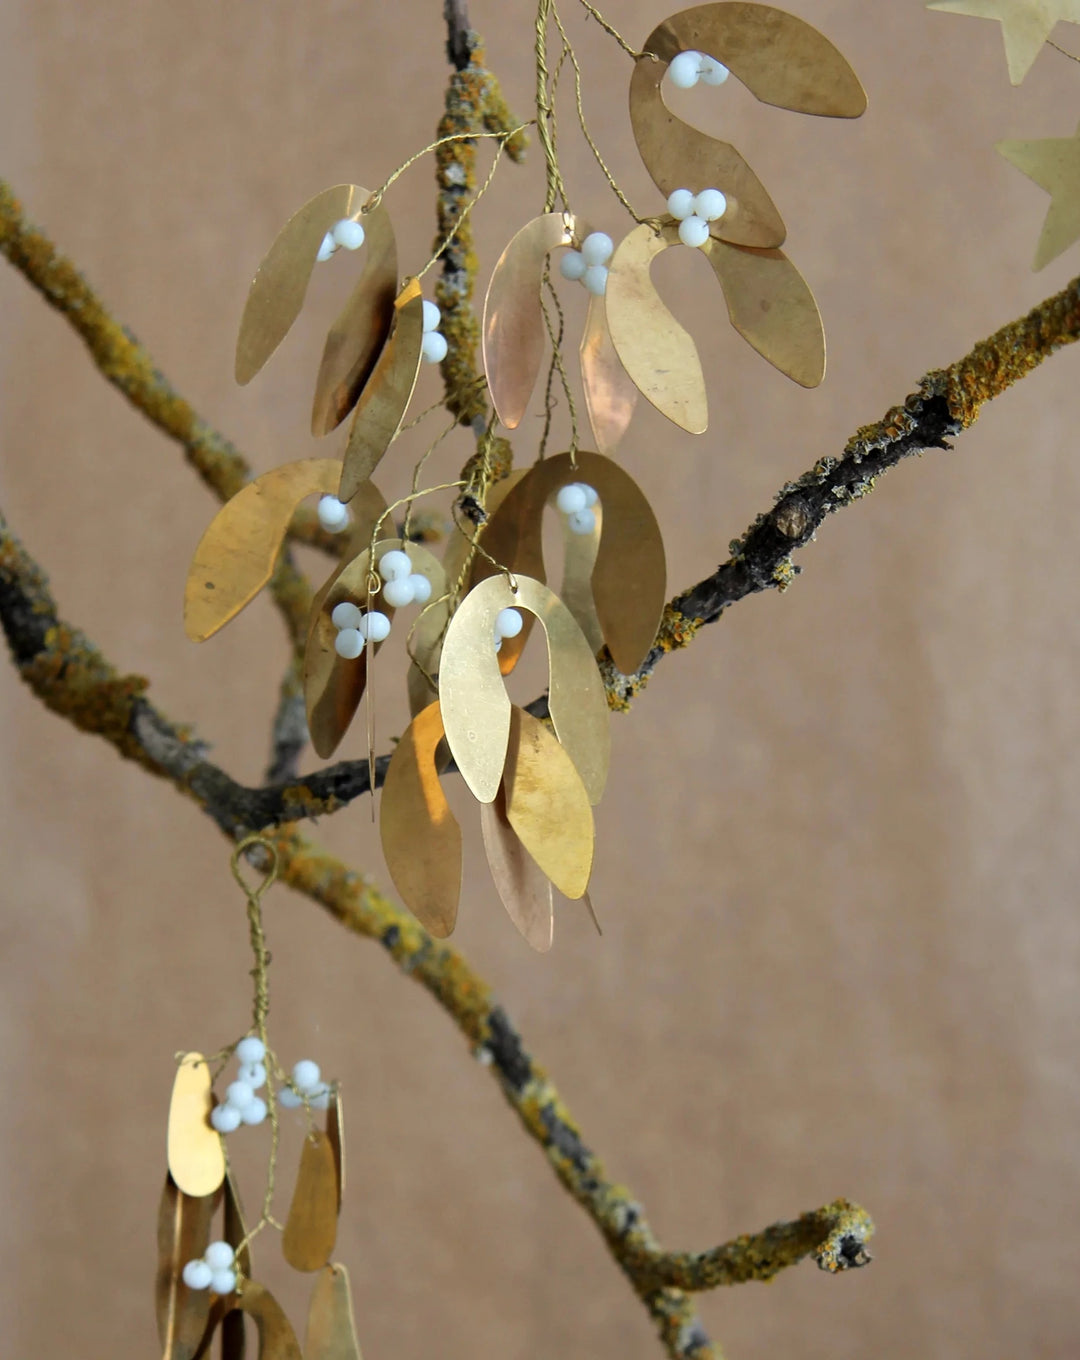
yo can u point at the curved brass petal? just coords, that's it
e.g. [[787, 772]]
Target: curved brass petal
[[610, 396], [385, 399], [421, 838], [771, 306], [523, 887], [236, 555], [280, 284], [476, 710], [576, 591], [183, 1234], [513, 331], [335, 1131], [357, 336], [658, 355], [277, 1340], [196, 1158], [331, 1329], [311, 1227]]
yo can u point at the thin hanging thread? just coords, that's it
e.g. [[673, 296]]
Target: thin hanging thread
[[558, 361], [545, 113], [1056, 48], [503, 137], [377, 196], [416, 493], [613, 31]]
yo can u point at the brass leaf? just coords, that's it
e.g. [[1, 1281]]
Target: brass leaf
[[335, 1131], [233, 1339], [236, 555], [513, 329], [196, 1158], [183, 1234], [523, 887], [277, 1340], [331, 1328], [311, 1228], [579, 561], [610, 395]]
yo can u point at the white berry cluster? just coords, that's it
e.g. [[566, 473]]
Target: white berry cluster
[[333, 514], [401, 586], [589, 264], [307, 1085], [508, 623], [213, 1269], [242, 1105], [694, 212], [576, 501], [346, 233], [689, 67], [433, 345]]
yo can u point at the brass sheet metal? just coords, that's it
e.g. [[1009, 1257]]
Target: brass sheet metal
[[610, 395], [659, 356], [335, 1131], [331, 1327], [771, 306], [358, 334], [513, 328], [1054, 164], [280, 284], [277, 1340], [233, 1337], [236, 555], [311, 1227], [576, 592], [547, 805], [196, 1158], [382, 404], [183, 1233], [523, 887], [421, 838]]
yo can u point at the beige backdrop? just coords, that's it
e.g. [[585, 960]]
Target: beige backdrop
[[837, 866]]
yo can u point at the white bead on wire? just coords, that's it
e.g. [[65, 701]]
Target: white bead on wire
[[589, 264], [347, 233], [576, 501], [214, 1270], [333, 514], [694, 212], [433, 345], [689, 67]]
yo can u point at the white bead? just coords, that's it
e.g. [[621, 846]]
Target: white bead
[[348, 233], [219, 1256], [710, 204], [394, 565], [508, 623], [320, 1099], [345, 615], [306, 1076], [421, 588], [680, 204], [250, 1050], [375, 626], [498, 644], [327, 248], [591, 494], [255, 1111], [582, 522], [572, 266], [433, 347], [225, 1118], [693, 232], [685, 69], [712, 72], [432, 316], [223, 1281], [288, 1097], [197, 1275], [571, 498], [595, 279], [597, 248], [349, 643], [333, 514], [239, 1094], [398, 592], [254, 1074]]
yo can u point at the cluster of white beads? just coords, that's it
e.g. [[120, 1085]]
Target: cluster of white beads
[[689, 67], [508, 623], [307, 1084], [346, 233], [433, 345], [576, 501], [589, 264], [694, 212], [333, 514], [242, 1105], [401, 586], [213, 1269]]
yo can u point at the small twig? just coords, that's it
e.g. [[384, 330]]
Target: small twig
[[289, 735]]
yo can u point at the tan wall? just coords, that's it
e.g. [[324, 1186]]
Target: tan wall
[[837, 866]]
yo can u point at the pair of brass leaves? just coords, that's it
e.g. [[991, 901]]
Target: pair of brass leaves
[[331, 1326]]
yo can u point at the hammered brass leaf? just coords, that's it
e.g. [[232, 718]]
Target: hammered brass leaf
[[780, 59], [513, 329], [335, 1131], [357, 336], [183, 1235], [385, 399], [236, 555], [311, 1227], [331, 1328], [475, 707], [547, 805], [277, 1340], [196, 1158], [280, 284], [421, 838], [659, 356], [523, 887], [610, 395], [771, 306]]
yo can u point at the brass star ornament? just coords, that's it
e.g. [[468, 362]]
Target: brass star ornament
[[1025, 24], [1054, 164]]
